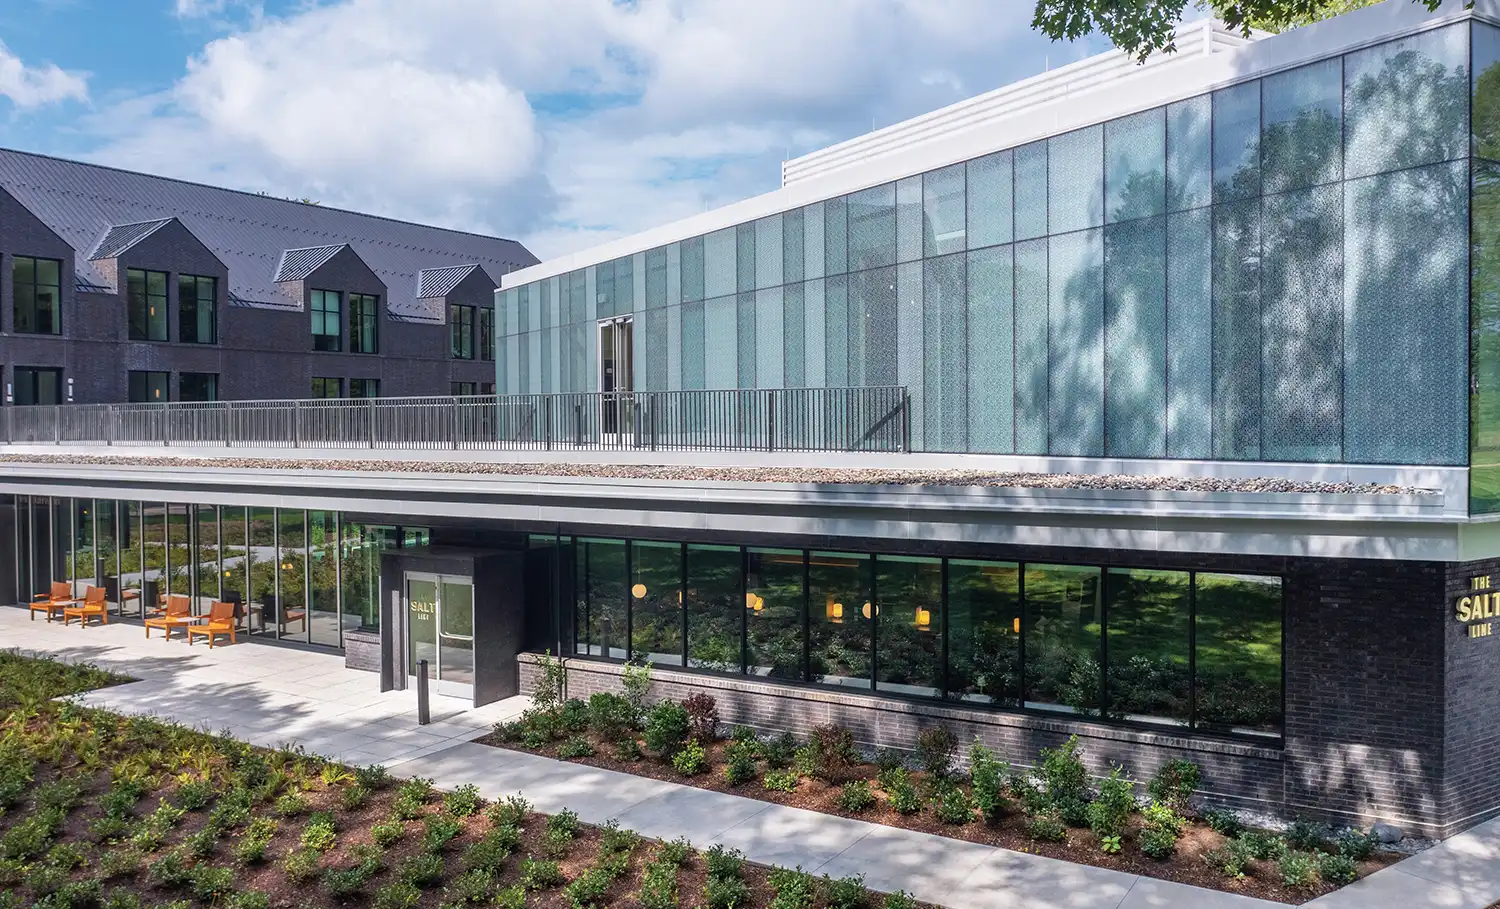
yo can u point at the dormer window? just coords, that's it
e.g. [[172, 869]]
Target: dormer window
[[146, 304], [327, 320], [37, 294], [197, 309]]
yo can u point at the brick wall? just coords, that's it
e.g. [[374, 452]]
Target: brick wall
[[1471, 735]]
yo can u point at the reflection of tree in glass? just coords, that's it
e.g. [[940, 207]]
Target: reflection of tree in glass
[[1239, 651]]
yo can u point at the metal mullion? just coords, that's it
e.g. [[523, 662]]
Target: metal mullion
[[1193, 649], [275, 576], [806, 615], [682, 591], [1021, 638], [874, 620], [307, 609], [338, 574]]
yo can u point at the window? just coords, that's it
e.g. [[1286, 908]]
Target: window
[[656, 603], [486, 388], [324, 387], [714, 607], [198, 386], [909, 625], [149, 387], [364, 323], [38, 385], [1148, 643], [461, 332], [1062, 638], [984, 631], [146, 304], [1238, 658], [364, 388], [36, 286], [197, 309], [839, 598], [327, 324], [774, 595], [487, 333], [462, 388]]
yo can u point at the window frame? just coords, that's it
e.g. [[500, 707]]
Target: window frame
[[145, 301], [35, 373], [323, 382], [364, 384], [149, 379], [318, 308], [460, 331], [485, 327], [364, 323], [187, 312], [213, 378], [35, 285]]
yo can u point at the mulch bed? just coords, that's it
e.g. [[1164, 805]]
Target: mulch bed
[[1081, 846]]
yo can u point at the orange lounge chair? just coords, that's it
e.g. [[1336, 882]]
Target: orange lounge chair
[[52, 603], [220, 621], [93, 604], [178, 614]]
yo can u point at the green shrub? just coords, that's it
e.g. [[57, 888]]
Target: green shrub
[[1063, 773], [780, 781], [635, 679], [341, 883], [793, 888], [302, 865], [1231, 859], [476, 885], [779, 752], [397, 895], [953, 806], [691, 760], [1266, 846], [1308, 835], [903, 793], [423, 869], [573, 716], [373, 777], [202, 843], [118, 898], [745, 734], [72, 895], [935, 750], [441, 829], [551, 684], [231, 810], [119, 801], [194, 794], [658, 886], [292, 804], [845, 893], [899, 899], [726, 893], [512, 897], [416, 789], [739, 766], [320, 832], [987, 776], [121, 861], [574, 748], [537, 874], [1163, 817], [407, 808], [855, 795], [509, 812], [387, 833], [1223, 820], [1337, 870], [703, 716], [463, 801], [587, 890], [1046, 828], [1158, 843], [887, 759], [610, 715], [248, 899], [832, 752], [63, 794], [1110, 845], [1298, 871], [677, 851], [353, 798], [1108, 813], [108, 828], [628, 749], [563, 823], [614, 838], [1174, 783], [169, 870], [32, 835], [724, 862], [491, 852], [1355, 844], [666, 729]]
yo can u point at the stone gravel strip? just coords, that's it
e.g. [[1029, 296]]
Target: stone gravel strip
[[816, 475]]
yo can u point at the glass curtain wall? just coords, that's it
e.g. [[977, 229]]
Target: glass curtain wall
[[323, 622], [234, 570], [289, 605], [154, 557], [181, 566], [1143, 646], [1267, 272], [132, 548], [261, 569], [1484, 284]]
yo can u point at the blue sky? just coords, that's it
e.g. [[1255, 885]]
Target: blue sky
[[559, 122]]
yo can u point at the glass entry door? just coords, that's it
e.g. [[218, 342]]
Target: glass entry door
[[440, 630], [616, 375]]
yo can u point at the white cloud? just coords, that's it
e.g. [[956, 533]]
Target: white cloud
[[561, 122], [34, 86]]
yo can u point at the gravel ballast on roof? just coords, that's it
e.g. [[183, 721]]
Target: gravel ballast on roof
[[801, 475]]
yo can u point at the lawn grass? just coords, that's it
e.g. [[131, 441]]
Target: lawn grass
[[101, 810]]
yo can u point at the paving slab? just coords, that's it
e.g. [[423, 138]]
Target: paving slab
[[1017, 880], [1462, 872], [1150, 893], [697, 814], [793, 836], [930, 868]]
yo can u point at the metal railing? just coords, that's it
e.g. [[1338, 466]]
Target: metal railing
[[868, 418]]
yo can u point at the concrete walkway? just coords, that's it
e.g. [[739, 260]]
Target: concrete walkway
[[273, 696]]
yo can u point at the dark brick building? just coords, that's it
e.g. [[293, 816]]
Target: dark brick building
[[119, 286]]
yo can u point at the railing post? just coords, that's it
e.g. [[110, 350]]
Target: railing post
[[453, 420], [654, 399], [166, 426], [770, 421], [57, 424], [370, 409], [578, 425], [296, 424], [905, 421], [547, 419]]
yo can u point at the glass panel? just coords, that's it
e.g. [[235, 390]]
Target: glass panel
[[1135, 355], [1150, 618], [1031, 190], [261, 553], [909, 346], [1484, 401], [1236, 140], [944, 217], [815, 321], [1405, 102], [794, 336], [656, 277], [692, 270], [1031, 347], [1484, 104], [744, 314], [1075, 318], [656, 603], [205, 560], [323, 620], [909, 625], [835, 236], [944, 362], [989, 200], [1075, 180], [721, 334], [872, 227], [77, 521], [990, 372], [984, 630], [693, 366], [836, 332], [1302, 126], [155, 555], [232, 580], [1189, 128], [360, 573], [1405, 341], [1238, 638], [768, 250], [715, 610], [872, 327], [909, 228], [768, 338], [180, 555], [1135, 178], [1062, 638], [1303, 320], [774, 598], [288, 610], [456, 632], [1236, 331], [794, 267], [106, 550], [421, 610], [606, 590], [744, 243], [718, 263], [813, 244], [839, 620], [1189, 334]]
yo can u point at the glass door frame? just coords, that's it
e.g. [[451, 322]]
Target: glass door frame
[[435, 679], [617, 392]]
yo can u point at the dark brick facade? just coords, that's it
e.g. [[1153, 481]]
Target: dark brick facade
[[1471, 732], [262, 352], [1371, 732]]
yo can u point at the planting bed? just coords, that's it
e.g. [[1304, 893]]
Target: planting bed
[[99, 810], [1043, 812]]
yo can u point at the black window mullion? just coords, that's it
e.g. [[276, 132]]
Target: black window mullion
[[1021, 643], [744, 609], [874, 619], [1104, 642], [682, 594], [1193, 649], [806, 615]]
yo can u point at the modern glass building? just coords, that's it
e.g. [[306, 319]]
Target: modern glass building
[[1152, 404]]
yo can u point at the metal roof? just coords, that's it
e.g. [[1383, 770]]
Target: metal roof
[[248, 232], [297, 264], [120, 237], [439, 282]]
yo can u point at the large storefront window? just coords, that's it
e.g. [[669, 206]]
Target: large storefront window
[[984, 631], [1149, 616], [1238, 658], [323, 624], [909, 625], [774, 601], [715, 608], [1062, 638], [656, 603], [842, 615]]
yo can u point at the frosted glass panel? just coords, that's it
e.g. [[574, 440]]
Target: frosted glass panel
[[943, 214], [1135, 354], [721, 341], [872, 227], [945, 360], [1075, 180], [989, 200], [1075, 326], [909, 306], [1236, 140], [768, 268], [812, 241], [1236, 330], [1302, 127], [744, 241], [1189, 130], [1135, 178], [745, 324], [836, 332], [1406, 102], [768, 338], [794, 336], [1031, 190], [813, 323], [1031, 347], [991, 357], [718, 263], [693, 329], [909, 219]]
